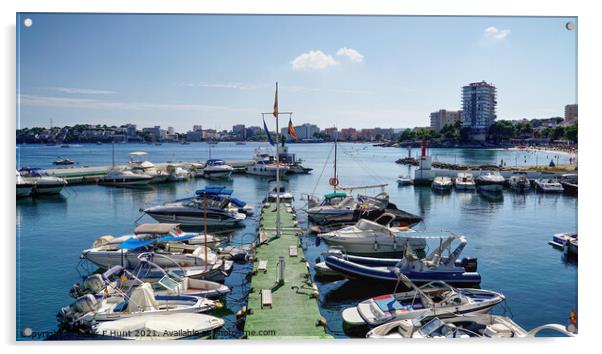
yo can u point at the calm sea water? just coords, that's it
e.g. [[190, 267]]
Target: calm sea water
[[509, 236]]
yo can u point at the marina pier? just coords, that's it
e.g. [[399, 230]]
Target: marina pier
[[283, 300]]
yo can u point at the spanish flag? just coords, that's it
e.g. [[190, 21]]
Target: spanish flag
[[291, 130], [276, 103]]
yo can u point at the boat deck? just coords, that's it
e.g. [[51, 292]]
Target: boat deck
[[289, 310]]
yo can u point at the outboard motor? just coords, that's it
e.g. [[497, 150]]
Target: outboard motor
[[76, 291], [94, 283], [469, 264], [85, 304]]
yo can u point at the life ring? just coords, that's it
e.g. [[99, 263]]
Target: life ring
[[333, 181]]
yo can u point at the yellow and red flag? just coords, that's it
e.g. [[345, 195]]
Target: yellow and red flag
[[276, 103], [291, 130]]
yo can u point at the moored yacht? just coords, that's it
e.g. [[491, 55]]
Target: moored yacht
[[23, 187], [197, 212], [122, 177], [442, 184], [138, 165], [548, 185], [43, 183], [465, 181], [215, 168], [490, 181], [519, 182], [265, 165]]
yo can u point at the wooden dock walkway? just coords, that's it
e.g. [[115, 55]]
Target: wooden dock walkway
[[289, 309]]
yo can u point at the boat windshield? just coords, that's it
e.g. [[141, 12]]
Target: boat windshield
[[364, 224], [430, 327], [168, 283]]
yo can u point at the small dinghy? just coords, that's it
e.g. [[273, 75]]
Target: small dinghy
[[432, 299], [435, 266], [63, 162], [160, 327]]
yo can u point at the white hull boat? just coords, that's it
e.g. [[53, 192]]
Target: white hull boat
[[374, 238], [490, 181], [23, 187], [442, 184], [125, 178], [435, 299], [519, 182], [215, 169], [43, 183], [160, 327], [548, 185], [465, 181], [468, 326]]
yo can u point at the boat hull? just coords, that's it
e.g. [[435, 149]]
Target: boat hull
[[193, 220], [24, 190]]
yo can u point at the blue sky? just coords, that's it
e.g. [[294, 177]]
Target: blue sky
[[216, 71]]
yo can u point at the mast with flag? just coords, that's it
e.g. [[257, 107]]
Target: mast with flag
[[277, 113]]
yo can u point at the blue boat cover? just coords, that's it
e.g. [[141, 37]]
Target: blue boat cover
[[216, 190], [176, 238], [239, 203], [133, 243]]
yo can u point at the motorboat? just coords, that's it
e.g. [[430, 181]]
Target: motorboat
[[221, 193], [124, 177], [177, 174], [138, 165], [570, 247], [442, 184], [519, 182], [184, 251], [117, 278], [463, 326], [465, 181], [435, 266], [404, 181], [43, 183], [374, 238], [548, 185], [434, 299], [23, 186], [295, 166], [490, 181], [215, 168], [63, 162], [160, 327], [140, 301], [340, 207], [265, 165], [569, 182], [198, 211], [281, 192], [560, 239]]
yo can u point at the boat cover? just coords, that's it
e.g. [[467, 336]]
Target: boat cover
[[155, 228], [216, 190], [133, 243], [142, 299], [335, 195], [172, 238], [239, 203]]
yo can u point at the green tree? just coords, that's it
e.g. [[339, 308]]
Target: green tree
[[570, 133]]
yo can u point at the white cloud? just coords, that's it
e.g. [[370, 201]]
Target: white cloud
[[352, 54], [84, 91], [313, 60], [496, 34], [90, 103], [227, 85]]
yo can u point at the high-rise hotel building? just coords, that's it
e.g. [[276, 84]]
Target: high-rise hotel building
[[478, 105]]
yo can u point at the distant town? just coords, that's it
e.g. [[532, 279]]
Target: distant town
[[475, 124]]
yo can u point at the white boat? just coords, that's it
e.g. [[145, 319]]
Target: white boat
[[177, 174], [490, 181], [282, 192], [215, 168], [160, 327], [467, 326], [465, 181], [197, 212], [519, 181], [548, 185], [123, 177], [43, 183], [559, 239], [265, 165], [570, 247], [139, 165], [442, 184], [23, 187], [374, 238], [140, 301], [340, 207], [434, 299], [404, 181]]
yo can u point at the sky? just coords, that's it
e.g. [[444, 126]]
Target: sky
[[343, 71]]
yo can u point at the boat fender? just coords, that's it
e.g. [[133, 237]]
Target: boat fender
[[318, 241], [394, 244], [218, 305], [375, 245], [322, 322]]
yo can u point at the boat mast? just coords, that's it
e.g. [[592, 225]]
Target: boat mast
[[113, 154], [205, 224], [335, 163], [277, 165]]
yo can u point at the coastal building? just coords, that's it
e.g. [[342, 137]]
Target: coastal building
[[239, 131], [570, 113], [349, 134], [478, 105], [333, 133], [209, 134], [194, 135], [197, 128], [383, 133], [366, 134], [130, 130], [252, 131], [444, 117], [170, 131], [156, 131]]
